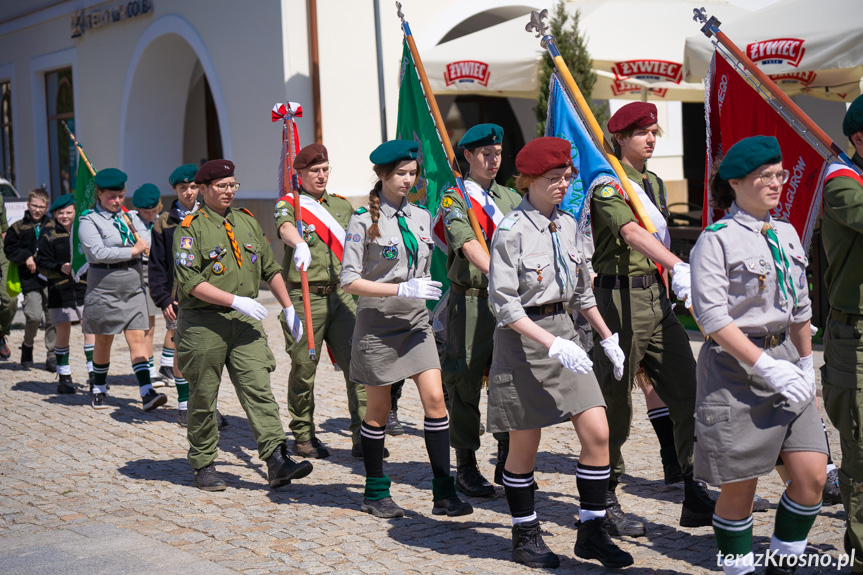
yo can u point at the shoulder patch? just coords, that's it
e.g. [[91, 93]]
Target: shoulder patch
[[606, 191], [245, 211], [361, 210], [187, 221], [447, 202], [716, 227]]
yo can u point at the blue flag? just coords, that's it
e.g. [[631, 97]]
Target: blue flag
[[563, 121]]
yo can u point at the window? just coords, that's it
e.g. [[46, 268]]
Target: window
[[7, 150], [61, 108]]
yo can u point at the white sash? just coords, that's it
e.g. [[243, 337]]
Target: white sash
[[654, 214]]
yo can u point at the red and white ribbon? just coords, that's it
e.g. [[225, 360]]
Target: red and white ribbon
[[292, 108]]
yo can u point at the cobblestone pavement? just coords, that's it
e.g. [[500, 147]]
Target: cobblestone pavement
[[85, 491]]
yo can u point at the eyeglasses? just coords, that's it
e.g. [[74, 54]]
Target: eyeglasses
[[225, 185], [319, 171], [560, 180], [767, 177]]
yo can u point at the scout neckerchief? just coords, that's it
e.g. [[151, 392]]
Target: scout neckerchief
[[125, 232], [781, 263], [563, 272], [411, 245]]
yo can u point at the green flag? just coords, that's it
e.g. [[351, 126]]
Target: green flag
[[415, 123], [85, 197]]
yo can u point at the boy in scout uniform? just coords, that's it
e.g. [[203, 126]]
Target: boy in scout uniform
[[629, 288], [319, 253], [221, 255], [470, 321], [842, 374]]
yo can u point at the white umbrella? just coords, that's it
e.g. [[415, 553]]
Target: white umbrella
[[811, 47]]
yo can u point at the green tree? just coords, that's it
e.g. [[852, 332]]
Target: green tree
[[572, 45]]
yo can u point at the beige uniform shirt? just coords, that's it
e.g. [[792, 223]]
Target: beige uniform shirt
[[524, 270]]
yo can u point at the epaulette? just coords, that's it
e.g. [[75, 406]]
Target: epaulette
[[361, 210], [244, 210], [715, 227], [338, 196], [187, 221], [419, 206], [510, 220], [85, 212], [564, 212]]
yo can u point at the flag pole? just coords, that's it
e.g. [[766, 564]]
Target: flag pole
[[809, 129], [538, 26], [441, 128]]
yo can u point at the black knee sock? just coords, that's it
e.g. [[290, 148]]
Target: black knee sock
[[437, 444], [519, 495], [592, 484], [664, 428], [372, 440]]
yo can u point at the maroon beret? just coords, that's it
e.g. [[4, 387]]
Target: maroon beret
[[543, 154], [311, 155], [633, 116], [214, 170]]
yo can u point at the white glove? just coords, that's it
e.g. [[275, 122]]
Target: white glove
[[294, 323], [681, 282], [420, 288], [249, 307], [807, 366], [783, 377], [570, 355], [614, 353], [302, 257]]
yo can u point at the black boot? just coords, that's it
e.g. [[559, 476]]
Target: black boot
[[593, 542], [468, 479], [207, 479], [65, 385], [27, 355], [502, 452], [51, 363], [394, 426], [698, 506], [281, 468], [616, 522], [778, 565], [529, 549]]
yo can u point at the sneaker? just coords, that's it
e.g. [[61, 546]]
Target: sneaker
[[311, 449], [616, 521], [357, 451], [394, 426], [5, 352], [156, 380], [99, 401], [221, 420], [698, 506], [528, 547], [183, 418], [26, 356], [153, 400], [51, 363], [760, 504], [452, 507], [166, 372], [831, 494], [385, 508], [593, 542], [65, 385], [207, 479]]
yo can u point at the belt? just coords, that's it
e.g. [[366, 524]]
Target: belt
[[320, 289], [767, 341], [846, 318], [116, 266], [473, 292], [547, 309], [626, 282]]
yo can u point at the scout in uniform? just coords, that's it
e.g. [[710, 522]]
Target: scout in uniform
[[756, 379], [65, 293], [842, 374], [220, 257], [539, 376], [318, 252], [470, 322], [8, 304], [115, 300], [630, 290], [386, 263], [21, 246]]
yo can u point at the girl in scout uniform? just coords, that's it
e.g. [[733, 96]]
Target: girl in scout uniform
[[756, 381], [539, 376], [115, 301], [65, 293], [389, 254]]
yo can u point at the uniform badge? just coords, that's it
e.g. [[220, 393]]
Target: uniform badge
[[186, 243], [254, 258], [390, 253], [606, 192], [394, 241], [802, 280], [191, 257], [218, 268], [213, 254], [281, 204], [356, 237], [311, 227], [447, 202]]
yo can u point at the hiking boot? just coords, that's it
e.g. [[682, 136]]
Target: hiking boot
[[166, 372], [99, 401], [759, 504], [616, 521], [452, 507], [468, 479], [502, 452], [529, 549], [281, 468], [394, 426], [385, 508], [27, 356], [51, 363], [831, 494], [65, 384], [5, 352], [357, 451], [593, 542], [207, 479], [153, 400], [698, 506], [672, 472], [183, 418], [311, 449]]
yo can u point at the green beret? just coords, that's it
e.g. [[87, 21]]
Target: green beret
[[481, 135], [146, 197], [748, 154], [63, 201], [853, 121], [110, 179], [394, 151], [185, 174]]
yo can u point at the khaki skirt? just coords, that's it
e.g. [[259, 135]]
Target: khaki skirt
[[529, 390], [115, 301], [392, 341], [741, 424]]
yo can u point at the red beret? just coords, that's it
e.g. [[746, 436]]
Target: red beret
[[214, 170], [633, 116], [310, 155], [543, 154]]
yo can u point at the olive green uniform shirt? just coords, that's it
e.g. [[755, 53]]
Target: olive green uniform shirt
[[325, 267], [609, 213], [203, 253], [842, 231]]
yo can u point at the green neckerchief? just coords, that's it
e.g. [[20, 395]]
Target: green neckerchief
[[780, 261], [409, 239], [125, 233]]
